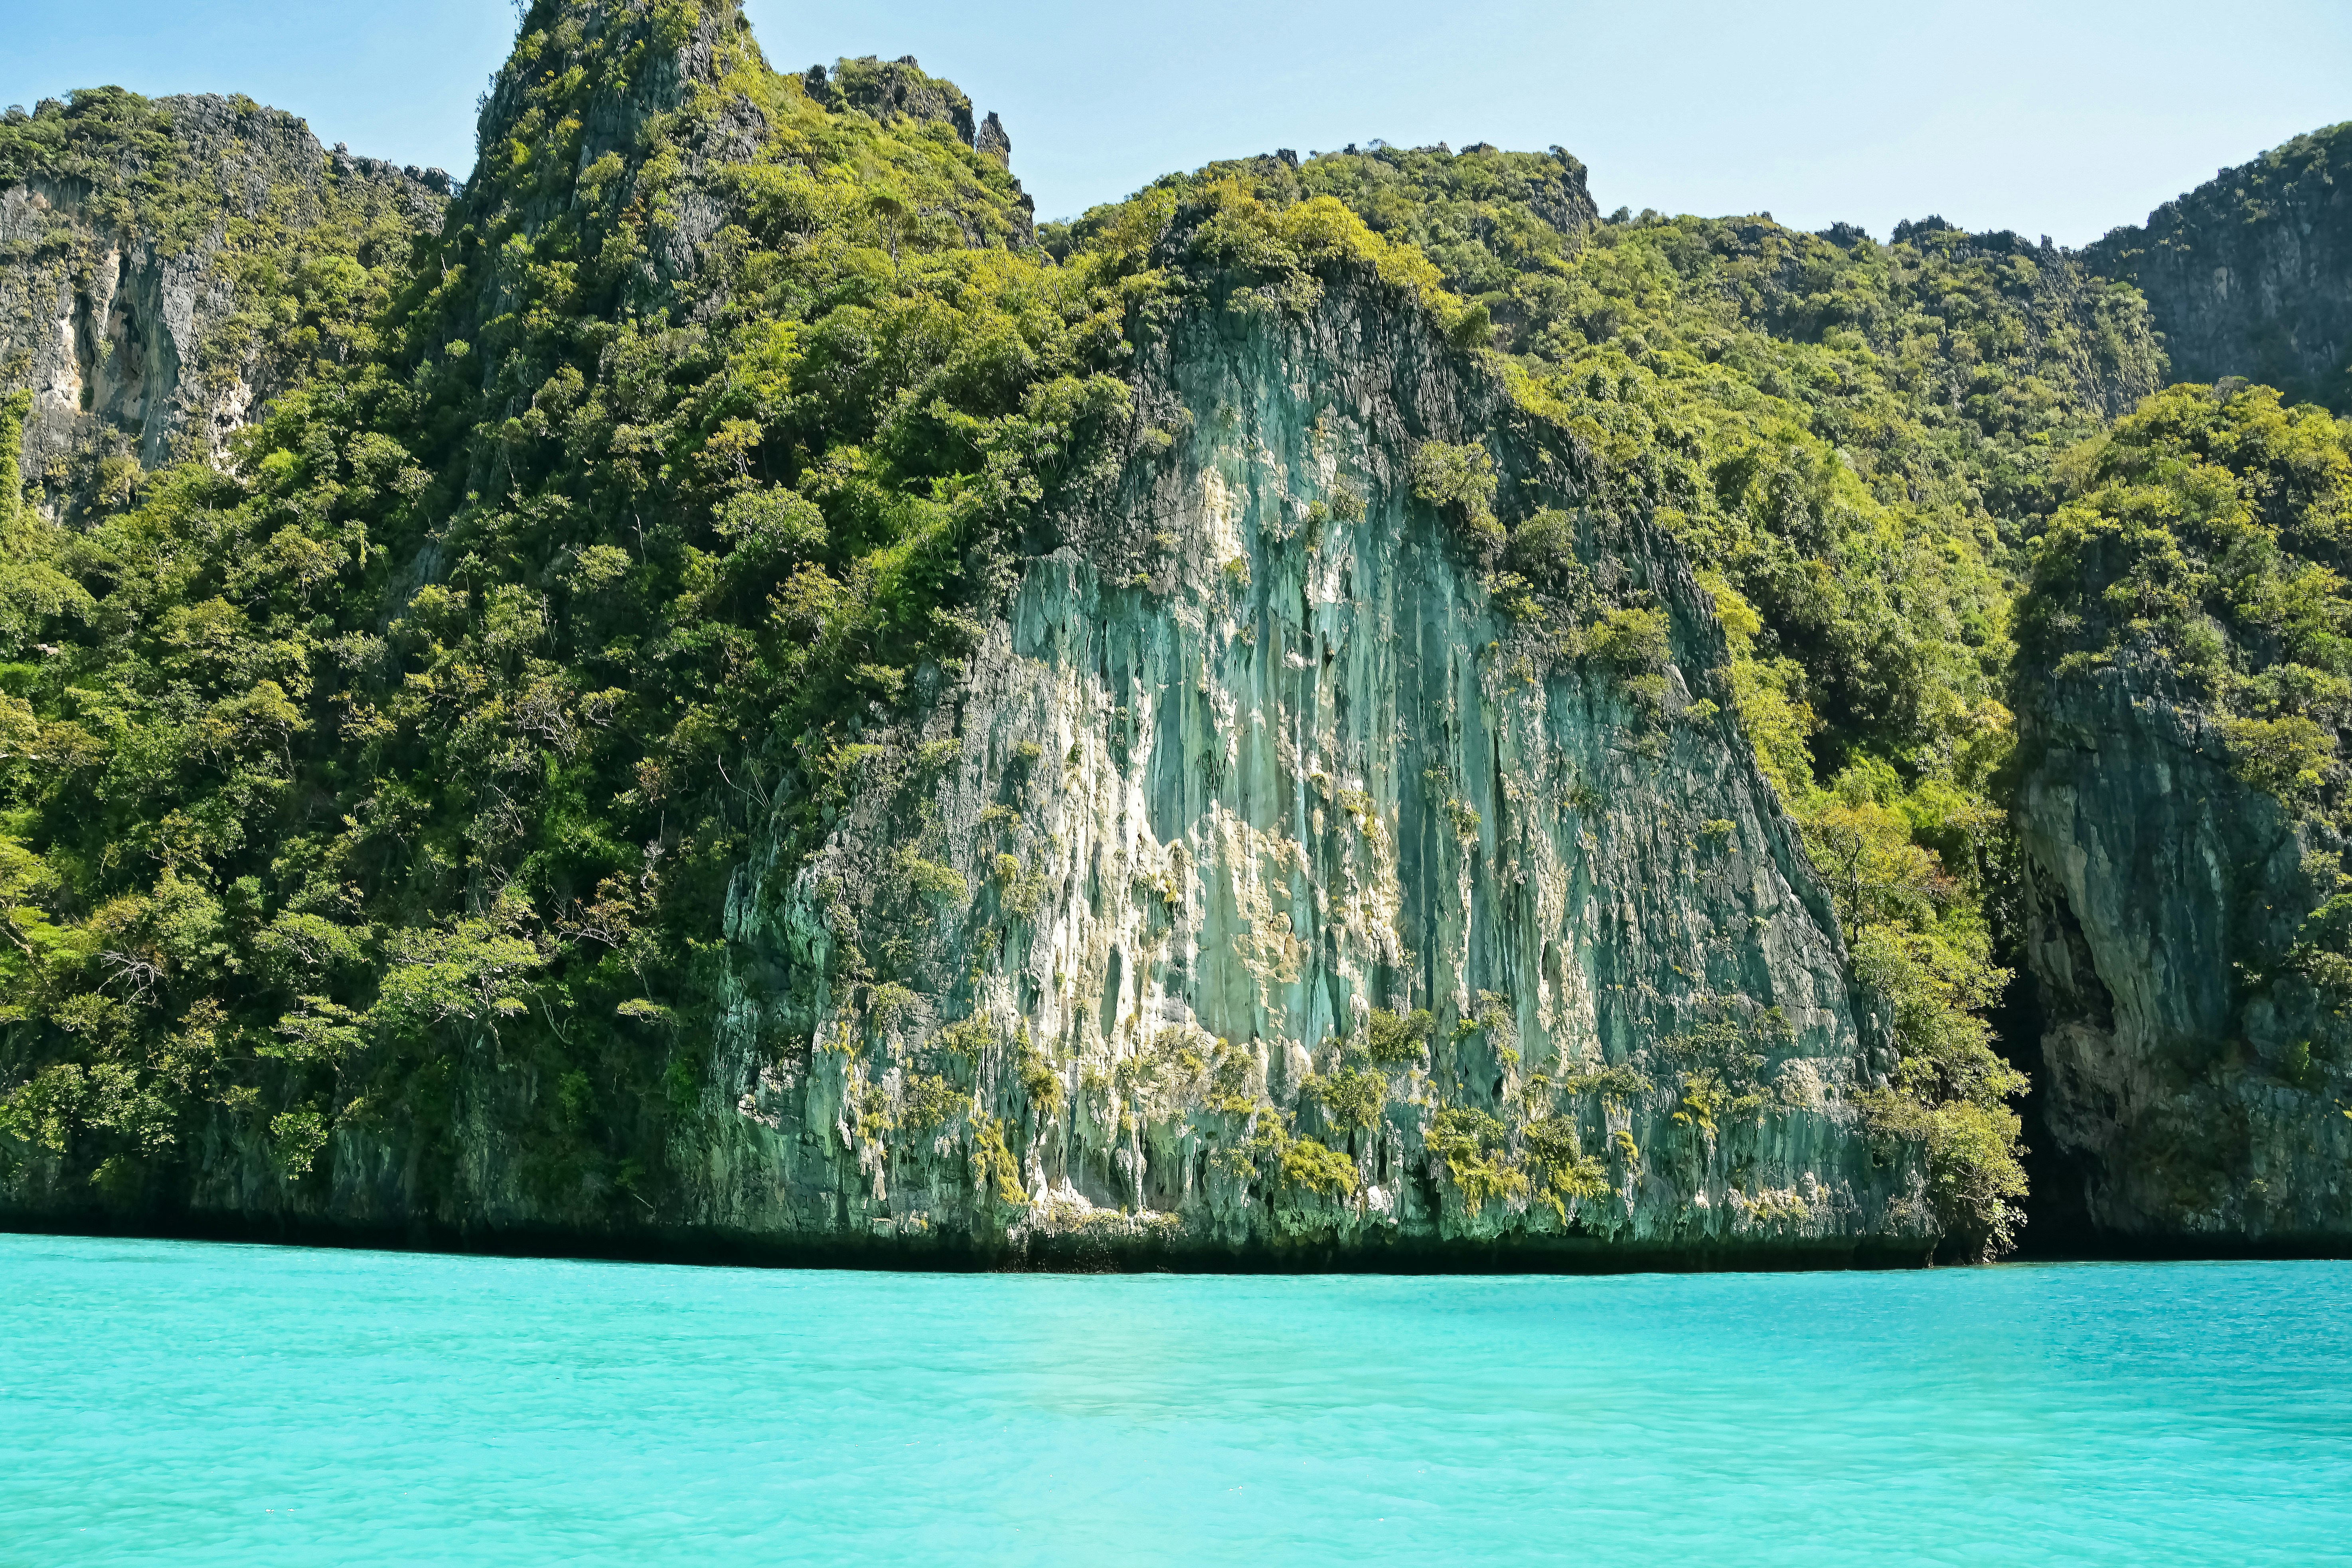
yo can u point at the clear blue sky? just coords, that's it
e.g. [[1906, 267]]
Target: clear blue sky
[[2056, 118]]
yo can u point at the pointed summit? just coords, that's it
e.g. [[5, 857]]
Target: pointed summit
[[993, 142], [623, 141]]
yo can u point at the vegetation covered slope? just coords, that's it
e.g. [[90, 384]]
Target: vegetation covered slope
[[2205, 537]]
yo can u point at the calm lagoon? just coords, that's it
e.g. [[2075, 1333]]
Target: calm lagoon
[[190, 1403]]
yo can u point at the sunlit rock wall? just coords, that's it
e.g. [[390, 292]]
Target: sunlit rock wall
[[1255, 753]]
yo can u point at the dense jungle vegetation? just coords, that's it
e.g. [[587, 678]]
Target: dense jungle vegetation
[[449, 700], [446, 704]]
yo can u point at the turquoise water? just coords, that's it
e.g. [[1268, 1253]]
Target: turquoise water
[[183, 1404]]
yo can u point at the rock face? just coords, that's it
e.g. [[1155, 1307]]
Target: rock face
[[1252, 769], [2162, 893], [1260, 893], [2251, 275], [114, 305], [993, 140]]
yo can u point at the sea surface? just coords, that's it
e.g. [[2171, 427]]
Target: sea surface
[[190, 1403]]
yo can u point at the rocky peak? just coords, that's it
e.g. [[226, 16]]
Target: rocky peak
[[893, 89], [901, 89], [992, 139]]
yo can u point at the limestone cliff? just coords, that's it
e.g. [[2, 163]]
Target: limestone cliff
[[812, 724], [1260, 891], [1256, 768], [2164, 895], [2182, 809], [146, 244], [2251, 273]]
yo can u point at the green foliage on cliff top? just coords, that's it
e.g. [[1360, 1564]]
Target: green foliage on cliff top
[[2207, 539], [142, 180], [2206, 547], [1485, 218]]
